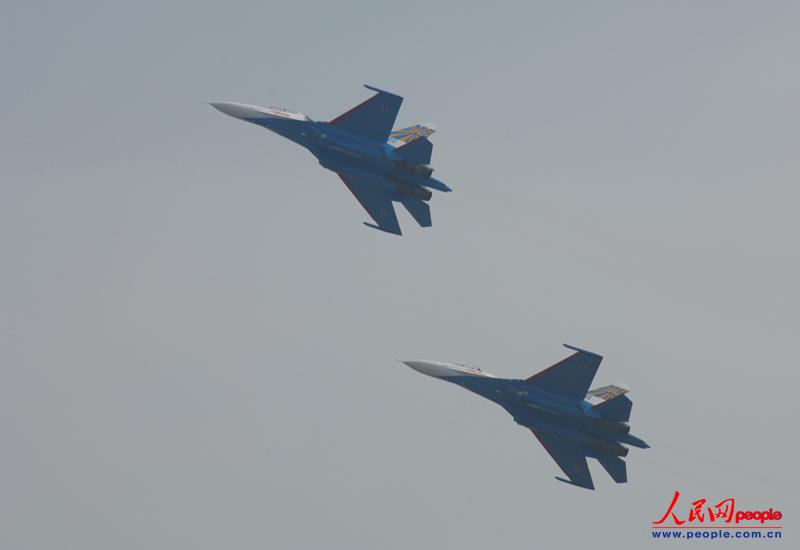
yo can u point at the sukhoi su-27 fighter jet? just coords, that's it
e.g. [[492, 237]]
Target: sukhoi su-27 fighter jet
[[571, 421], [378, 165]]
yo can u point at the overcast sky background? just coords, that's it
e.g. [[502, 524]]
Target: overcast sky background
[[198, 337]]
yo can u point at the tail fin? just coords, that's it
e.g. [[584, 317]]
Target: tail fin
[[617, 408], [403, 136], [418, 151], [615, 467]]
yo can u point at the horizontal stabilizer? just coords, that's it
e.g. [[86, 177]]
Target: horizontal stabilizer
[[617, 408], [615, 467], [420, 210], [417, 152]]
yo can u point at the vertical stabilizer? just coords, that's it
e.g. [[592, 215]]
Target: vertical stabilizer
[[617, 408]]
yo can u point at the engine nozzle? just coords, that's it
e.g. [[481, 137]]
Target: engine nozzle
[[412, 190], [418, 170], [612, 448], [616, 428]]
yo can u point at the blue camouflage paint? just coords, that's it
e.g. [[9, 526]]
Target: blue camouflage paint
[[355, 146], [553, 405]]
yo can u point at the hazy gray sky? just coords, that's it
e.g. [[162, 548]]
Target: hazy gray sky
[[198, 336]]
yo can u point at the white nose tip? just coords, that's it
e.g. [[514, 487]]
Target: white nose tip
[[416, 365], [430, 368], [236, 110]]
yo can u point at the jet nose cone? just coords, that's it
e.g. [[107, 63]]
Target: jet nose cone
[[236, 110], [429, 368], [416, 365]]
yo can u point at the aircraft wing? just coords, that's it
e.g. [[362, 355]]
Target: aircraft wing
[[376, 202], [373, 119], [569, 457], [570, 377]]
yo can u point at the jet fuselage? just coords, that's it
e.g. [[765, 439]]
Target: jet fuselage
[[570, 420], [536, 409], [341, 151]]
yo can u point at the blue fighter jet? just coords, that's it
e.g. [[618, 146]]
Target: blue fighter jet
[[570, 420], [378, 165]]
